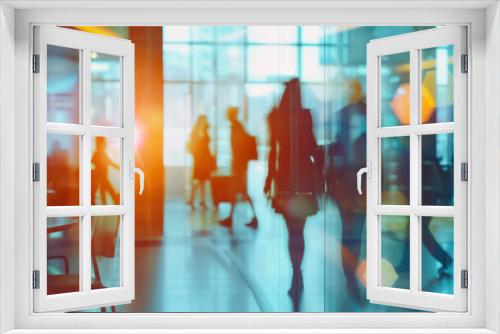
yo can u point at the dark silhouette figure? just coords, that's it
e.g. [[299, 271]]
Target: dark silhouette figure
[[62, 177], [239, 165], [437, 189], [100, 179], [203, 160], [347, 156], [292, 172]]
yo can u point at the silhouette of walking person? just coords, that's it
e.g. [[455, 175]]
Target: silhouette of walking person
[[203, 160], [292, 168], [100, 178], [243, 149], [347, 156]]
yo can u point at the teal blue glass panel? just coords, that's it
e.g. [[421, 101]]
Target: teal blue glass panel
[[63, 255], [437, 85], [394, 91], [395, 177], [437, 169], [176, 62], [63, 84], [106, 88], [105, 252], [437, 254], [395, 262]]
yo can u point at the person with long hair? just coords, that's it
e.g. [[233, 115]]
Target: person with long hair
[[292, 175], [203, 160]]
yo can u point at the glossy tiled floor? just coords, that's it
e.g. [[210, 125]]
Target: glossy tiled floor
[[203, 267]]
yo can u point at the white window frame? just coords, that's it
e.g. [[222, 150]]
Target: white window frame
[[85, 43], [412, 44], [16, 21]]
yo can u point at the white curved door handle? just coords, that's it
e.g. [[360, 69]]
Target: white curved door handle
[[136, 170], [359, 175]]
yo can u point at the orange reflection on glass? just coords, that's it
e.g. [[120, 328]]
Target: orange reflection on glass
[[106, 156], [63, 171]]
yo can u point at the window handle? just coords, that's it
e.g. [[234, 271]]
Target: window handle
[[136, 170], [359, 175]]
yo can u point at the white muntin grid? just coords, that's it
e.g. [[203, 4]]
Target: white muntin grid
[[413, 44], [86, 44]]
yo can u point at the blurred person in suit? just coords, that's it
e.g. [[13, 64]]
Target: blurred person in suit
[[347, 156], [243, 149]]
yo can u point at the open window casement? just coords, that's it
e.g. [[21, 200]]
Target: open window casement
[[417, 169], [83, 170]]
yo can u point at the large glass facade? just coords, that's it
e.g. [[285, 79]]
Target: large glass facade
[[264, 129]]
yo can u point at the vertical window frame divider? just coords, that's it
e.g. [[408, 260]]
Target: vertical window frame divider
[[415, 186], [86, 107]]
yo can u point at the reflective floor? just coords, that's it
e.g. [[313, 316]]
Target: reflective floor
[[201, 266]]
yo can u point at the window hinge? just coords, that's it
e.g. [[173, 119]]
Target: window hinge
[[36, 279], [465, 63], [36, 63], [36, 172], [464, 279], [464, 171]]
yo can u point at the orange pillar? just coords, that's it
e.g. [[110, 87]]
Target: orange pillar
[[149, 130]]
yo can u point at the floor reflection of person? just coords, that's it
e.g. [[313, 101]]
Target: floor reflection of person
[[239, 165], [347, 157], [292, 168], [203, 160], [100, 179]]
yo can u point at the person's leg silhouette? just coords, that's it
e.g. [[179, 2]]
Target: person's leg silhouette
[[296, 247]]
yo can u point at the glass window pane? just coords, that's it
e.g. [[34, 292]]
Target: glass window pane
[[230, 34], [105, 178], [178, 118], [437, 169], [261, 98], [437, 85], [203, 63], [230, 63], [176, 64], [339, 34], [395, 159], [105, 252], [395, 89], [312, 68], [63, 170], [106, 89], [176, 33], [63, 84], [395, 254], [272, 63], [437, 254], [63, 255], [312, 34], [272, 34], [203, 33]]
